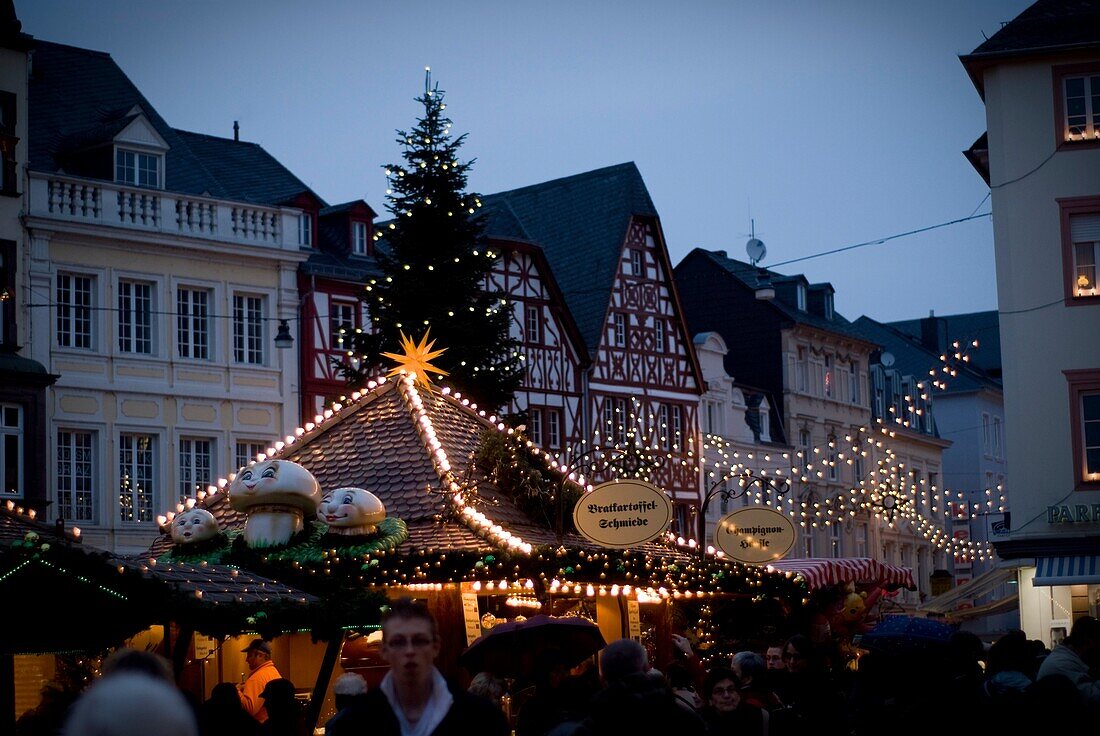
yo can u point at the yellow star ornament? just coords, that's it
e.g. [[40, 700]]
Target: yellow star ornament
[[416, 360]]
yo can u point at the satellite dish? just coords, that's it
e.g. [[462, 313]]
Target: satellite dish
[[756, 250], [886, 359]]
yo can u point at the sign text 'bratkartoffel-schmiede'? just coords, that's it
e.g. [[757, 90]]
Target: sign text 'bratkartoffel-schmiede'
[[623, 513]]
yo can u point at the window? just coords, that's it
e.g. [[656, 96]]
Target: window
[[1084, 402], [878, 380], [341, 324], [305, 230], [765, 421], [196, 460], [712, 422], [801, 297], [75, 476], [553, 429], [1084, 232], [359, 238], [832, 457], [1080, 225], [664, 429], [74, 311], [135, 317], [193, 323], [248, 329], [997, 438], [853, 382], [532, 324], [136, 476], [828, 306], [863, 540], [807, 542], [987, 436], [817, 376], [8, 142], [637, 263], [801, 370], [1081, 107], [139, 169], [677, 427], [626, 422], [829, 376], [620, 330], [609, 422], [836, 542], [11, 454], [535, 417], [246, 452], [659, 334]]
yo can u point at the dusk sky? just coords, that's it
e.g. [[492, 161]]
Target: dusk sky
[[829, 123]]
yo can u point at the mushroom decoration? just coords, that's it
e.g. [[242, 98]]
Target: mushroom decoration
[[194, 525], [351, 511], [277, 495]]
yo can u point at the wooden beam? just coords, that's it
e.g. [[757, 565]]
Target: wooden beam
[[324, 675], [179, 652]]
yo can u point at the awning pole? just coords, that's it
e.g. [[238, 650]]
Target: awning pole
[[324, 675]]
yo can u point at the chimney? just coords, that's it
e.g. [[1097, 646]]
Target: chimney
[[933, 334], [236, 131]]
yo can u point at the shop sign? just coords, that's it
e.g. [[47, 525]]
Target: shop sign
[[623, 513], [1078, 513], [470, 617], [755, 535]]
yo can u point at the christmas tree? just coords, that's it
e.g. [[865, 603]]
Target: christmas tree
[[434, 263]]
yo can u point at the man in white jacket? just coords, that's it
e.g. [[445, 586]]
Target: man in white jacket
[[1076, 658]]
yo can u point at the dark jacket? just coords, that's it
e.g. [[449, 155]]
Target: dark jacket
[[468, 714], [639, 705]]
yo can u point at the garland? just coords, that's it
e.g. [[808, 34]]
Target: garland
[[524, 479]]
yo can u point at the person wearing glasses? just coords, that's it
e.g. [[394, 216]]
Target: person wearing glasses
[[726, 711], [413, 698]]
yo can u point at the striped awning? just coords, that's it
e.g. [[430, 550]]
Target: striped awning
[[825, 572], [1067, 570]]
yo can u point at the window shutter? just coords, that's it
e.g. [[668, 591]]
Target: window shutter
[[1084, 228]]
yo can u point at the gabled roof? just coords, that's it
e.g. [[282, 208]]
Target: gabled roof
[[747, 274], [911, 358], [1047, 27], [580, 222], [981, 326], [80, 99]]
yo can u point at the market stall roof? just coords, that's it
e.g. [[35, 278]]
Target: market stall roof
[[422, 451], [823, 572]]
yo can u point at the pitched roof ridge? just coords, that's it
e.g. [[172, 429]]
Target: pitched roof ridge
[[564, 180], [70, 47]]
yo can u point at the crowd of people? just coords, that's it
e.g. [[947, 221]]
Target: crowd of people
[[790, 687]]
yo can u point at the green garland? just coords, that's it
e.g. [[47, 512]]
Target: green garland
[[525, 479]]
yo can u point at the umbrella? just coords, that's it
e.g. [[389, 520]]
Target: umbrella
[[902, 633], [512, 649]]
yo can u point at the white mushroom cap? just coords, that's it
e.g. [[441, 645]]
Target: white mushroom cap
[[371, 509], [275, 483]]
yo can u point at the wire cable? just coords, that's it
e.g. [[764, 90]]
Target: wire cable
[[881, 241]]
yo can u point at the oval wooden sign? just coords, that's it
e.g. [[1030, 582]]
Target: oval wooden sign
[[623, 513], [755, 535]]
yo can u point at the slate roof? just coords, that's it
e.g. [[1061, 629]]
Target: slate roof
[[911, 358], [357, 269], [1047, 25], [746, 273], [79, 98], [246, 171], [981, 326], [580, 223]]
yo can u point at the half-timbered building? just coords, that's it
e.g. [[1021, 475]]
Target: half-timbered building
[[616, 329]]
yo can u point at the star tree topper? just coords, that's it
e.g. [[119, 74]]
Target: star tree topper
[[416, 360]]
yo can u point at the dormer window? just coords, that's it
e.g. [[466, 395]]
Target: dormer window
[[1082, 107], [359, 238], [801, 292], [137, 168], [828, 306]]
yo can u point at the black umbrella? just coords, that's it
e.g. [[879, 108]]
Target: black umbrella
[[902, 633], [512, 649]]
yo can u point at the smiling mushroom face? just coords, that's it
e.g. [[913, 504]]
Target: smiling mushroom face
[[351, 511], [277, 495], [194, 525]]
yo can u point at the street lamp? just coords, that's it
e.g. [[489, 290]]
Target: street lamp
[[283, 339], [745, 481]]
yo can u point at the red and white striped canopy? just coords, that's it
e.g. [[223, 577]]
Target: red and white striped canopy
[[824, 572]]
